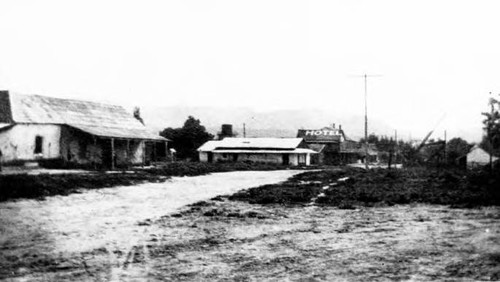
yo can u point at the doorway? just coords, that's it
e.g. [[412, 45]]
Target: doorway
[[286, 159]]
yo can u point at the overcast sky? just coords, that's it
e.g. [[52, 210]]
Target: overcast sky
[[435, 58]]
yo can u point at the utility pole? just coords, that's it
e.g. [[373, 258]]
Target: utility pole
[[365, 76], [244, 131], [396, 147], [445, 155], [366, 122], [490, 139]]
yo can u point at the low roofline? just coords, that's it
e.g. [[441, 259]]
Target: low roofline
[[158, 139], [295, 151], [255, 148], [6, 126]]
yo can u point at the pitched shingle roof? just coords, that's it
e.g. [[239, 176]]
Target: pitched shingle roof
[[243, 151], [95, 118], [252, 144]]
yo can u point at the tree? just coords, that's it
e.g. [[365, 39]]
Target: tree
[[432, 152], [409, 154], [491, 141], [456, 148], [372, 139], [187, 139]]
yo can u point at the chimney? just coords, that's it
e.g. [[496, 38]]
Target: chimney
[[227, 130], [5, 107], [137, 115]]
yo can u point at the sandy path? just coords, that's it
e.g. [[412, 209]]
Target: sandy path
[[126, 234], [235, 241], [108, 218]]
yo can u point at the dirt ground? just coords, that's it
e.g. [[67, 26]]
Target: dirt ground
[[42, 236], [234, 241], [147, 233]]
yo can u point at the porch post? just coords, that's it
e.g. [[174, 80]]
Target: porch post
[[166, 150], [112, 153], [94, 157], [128, 151], [143, 153], [154, 151]]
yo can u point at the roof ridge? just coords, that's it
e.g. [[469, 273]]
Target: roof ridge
[[68, 99]]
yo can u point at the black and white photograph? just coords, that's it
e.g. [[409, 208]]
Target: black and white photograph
[[231, 140]]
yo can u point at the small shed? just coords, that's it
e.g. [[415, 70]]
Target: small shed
[[286, 151], [478, 157]]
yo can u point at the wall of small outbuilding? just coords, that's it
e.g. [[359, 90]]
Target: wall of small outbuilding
[[275, 158], [18, 142]]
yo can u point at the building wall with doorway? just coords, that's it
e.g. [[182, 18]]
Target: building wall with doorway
[[24, 142], [260, 157], [286, 151], [241, 157], [331, 144], [325, 141], [80, 148]]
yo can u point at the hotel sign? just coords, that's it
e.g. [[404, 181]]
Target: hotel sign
[[320, 135], [322, 132]]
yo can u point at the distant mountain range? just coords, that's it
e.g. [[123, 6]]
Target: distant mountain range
[[279, 123]]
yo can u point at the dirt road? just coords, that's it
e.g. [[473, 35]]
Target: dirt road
[[142, 234], [36, 235]]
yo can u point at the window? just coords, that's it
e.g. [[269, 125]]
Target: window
[[302, 159], [38, 144]]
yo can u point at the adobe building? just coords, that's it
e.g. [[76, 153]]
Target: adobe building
[[285, 151], [43, 129], [331, 144]]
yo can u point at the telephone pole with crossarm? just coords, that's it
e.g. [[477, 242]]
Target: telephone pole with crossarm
[[366, 76]]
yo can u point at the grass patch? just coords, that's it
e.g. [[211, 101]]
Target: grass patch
[[351, 187], [39, 186], [196, 168], [43, 185]]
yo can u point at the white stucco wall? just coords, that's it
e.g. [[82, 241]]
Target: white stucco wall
[[478, 156], [137, 151], [302, 159], [83, 150], [135, 154], [265, 158], [203, 157], [18, 142], [79, 148]]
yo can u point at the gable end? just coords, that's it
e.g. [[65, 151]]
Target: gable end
[[5, 107]]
